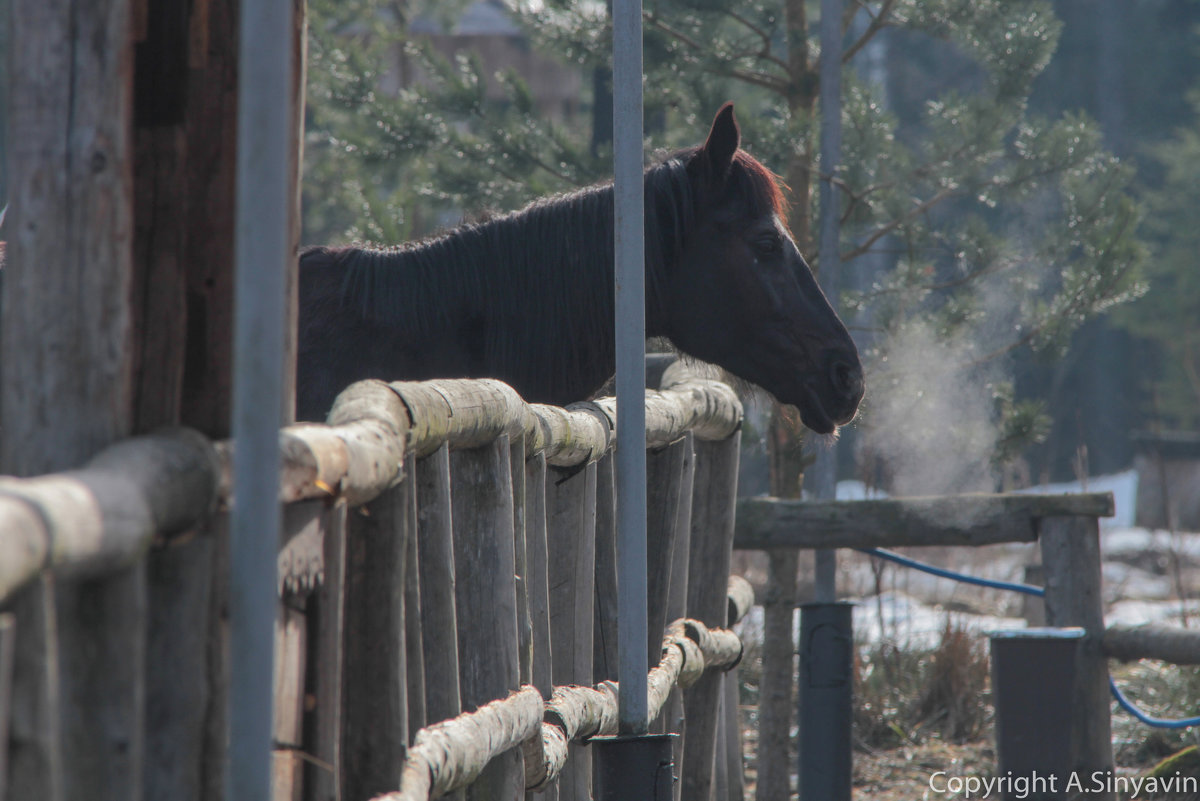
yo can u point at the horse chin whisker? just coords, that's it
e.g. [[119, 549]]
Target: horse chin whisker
[[826, 442]]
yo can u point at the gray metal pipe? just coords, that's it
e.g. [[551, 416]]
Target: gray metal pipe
[[261, 262], [630, 278], [822, 476]]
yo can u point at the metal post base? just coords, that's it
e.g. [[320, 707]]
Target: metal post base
[[638, 767], [825, 701]]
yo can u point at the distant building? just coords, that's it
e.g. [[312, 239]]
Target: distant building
[[487, 29]]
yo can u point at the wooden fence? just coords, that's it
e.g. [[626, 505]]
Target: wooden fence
[[446, 619], [1066, 527]]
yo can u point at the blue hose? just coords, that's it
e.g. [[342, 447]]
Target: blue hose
[[1028, 589]]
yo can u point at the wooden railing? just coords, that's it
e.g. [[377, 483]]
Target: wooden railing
[[447, 584]]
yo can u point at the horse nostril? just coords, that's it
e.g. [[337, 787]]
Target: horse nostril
[[847, 378]]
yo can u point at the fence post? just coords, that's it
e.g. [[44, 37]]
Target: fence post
[[1071, 560], [714, 497], [664, 493], [375, 683], [180, 580], [435, 555], [485, 598], [414, 659], [516, 469], [570, 538], [321, 782], [671, 718], [604, 619]]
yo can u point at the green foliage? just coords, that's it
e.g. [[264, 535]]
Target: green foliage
[[1168, 314]]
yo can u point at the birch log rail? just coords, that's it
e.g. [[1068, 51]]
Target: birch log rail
[[449, 755]]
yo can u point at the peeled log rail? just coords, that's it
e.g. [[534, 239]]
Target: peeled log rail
[[449, 755], [105, 515], [373, 425], [1130, 643], [973, 519]]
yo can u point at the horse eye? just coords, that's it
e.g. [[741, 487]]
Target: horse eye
[[769, 245]]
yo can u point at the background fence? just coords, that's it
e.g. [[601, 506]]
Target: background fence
[[446, 546]]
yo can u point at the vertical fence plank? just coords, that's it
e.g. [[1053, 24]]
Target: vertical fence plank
[[570, 535], [8, 631], [413, 630], [672, 714], [713, 499], [778, 677], [67, 345], [328, 607], [516, 469], [1071, 561], [732, 726], [180, 578], [439, 629], [216, 721], [35, 767], [604, 618], [101, 625], [538, 590], [291, 644], [664, 492], [375, 681], [535, 562], [485, 596]]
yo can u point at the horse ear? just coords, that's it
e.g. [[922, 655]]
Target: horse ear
[[723, 140]]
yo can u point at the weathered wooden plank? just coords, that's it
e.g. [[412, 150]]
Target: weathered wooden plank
[[291, 641], [778, 677], [571, 541], [328, 606], [671, 719], [8, 637], [732, 726], [102, 653], [485, 598], [516, 470], [1071, 559], [210, 125], [375, 681], [538, 592], [180, 584], [65, 326], [664, 493], [413, 630], [439, 630], [1130, 643], [35, 760], [604, 616], [765, 523], [535, 560], [215, 759], [713, 502]]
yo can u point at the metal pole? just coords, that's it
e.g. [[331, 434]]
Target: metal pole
[[822, 476], [631, 365], [826, 701], [261, 261]]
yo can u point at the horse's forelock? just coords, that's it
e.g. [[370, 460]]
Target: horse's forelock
[[762, 185]]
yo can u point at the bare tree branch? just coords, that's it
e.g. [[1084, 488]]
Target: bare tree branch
[[878, 22]]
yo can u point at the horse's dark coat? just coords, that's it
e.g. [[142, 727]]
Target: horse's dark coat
[[528, 297]]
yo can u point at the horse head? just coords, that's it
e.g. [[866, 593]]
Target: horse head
[[742, 295]]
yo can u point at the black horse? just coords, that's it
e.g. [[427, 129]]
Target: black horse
[[528, 297]]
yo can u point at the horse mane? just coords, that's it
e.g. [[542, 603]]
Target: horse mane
[[557, 247]]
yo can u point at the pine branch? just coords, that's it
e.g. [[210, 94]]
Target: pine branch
[[765, 80], [887, 228]]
